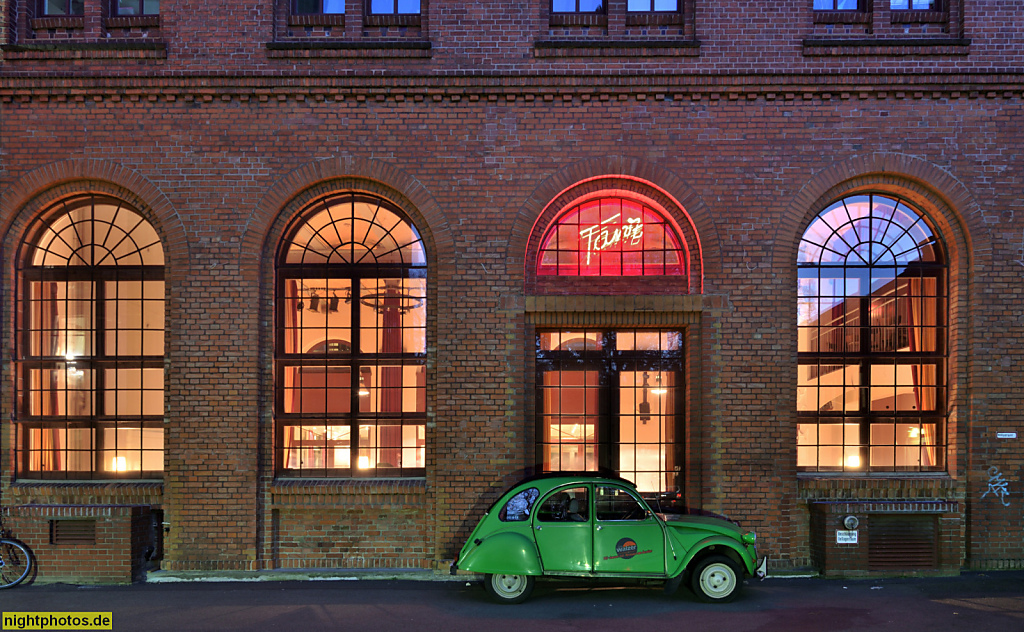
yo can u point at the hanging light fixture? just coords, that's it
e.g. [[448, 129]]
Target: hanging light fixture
[[645, 406], [314, 303]]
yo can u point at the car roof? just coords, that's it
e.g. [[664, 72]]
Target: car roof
[[559, 478]]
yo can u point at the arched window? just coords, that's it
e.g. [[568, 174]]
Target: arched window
[[90, 341], [872, 304], [351, 342], [611, 236]]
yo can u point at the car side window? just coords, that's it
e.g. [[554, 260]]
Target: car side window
[[518, 507], [566, 505], [614, 503]]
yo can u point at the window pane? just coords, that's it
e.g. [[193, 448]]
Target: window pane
[[518, 508], [566, 505], [307, 7], [406, 7], [334, 6], [563, 6], [129, 7], [382, 7]]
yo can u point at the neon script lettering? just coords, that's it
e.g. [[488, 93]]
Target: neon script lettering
[[601, 237]]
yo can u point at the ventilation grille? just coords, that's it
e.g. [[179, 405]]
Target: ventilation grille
[[72, 532], [902, 542]]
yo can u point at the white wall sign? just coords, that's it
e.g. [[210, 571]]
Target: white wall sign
[[1006, 435], [846, 537]]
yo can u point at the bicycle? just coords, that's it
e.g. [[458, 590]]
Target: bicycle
[[15, 560]]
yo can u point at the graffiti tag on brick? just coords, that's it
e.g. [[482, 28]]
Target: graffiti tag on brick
[[998, 486]]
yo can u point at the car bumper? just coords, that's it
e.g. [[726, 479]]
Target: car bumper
[[762, 569]]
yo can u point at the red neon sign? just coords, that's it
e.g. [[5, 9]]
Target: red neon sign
[[610, 237]]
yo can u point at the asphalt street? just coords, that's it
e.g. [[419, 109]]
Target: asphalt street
[[974, 601]]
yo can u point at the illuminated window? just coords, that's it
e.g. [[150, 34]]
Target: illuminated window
[[91, 344], [611, 236], [351, 344], [871, 319], [611, 399]]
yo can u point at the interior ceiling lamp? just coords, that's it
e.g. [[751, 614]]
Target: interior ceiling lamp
[[394, 296]]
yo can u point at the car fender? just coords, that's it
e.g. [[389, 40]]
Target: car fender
[[700, 548], [507, 552]]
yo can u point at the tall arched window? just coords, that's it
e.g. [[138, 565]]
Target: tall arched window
[[351, 342], [90, 343], [872, 304]]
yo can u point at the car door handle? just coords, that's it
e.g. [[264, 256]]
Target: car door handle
[[538, 528], [599, 527]]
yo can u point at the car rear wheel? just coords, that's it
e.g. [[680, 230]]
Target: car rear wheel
[[716, 579], [509, 588]]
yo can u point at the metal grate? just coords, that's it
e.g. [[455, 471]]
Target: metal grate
[[902, 543], [72, 532]]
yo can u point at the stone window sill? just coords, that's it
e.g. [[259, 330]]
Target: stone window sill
[[884, 47], [393, 48], [616, 48]]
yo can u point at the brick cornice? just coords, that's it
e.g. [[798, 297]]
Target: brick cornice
[[710, 88]]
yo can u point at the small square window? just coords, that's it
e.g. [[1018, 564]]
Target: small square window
[[915, 5], [129, 8], [838, 5], [579, 6], [54, 8], [318, 7], [394, 7], [652, 6]]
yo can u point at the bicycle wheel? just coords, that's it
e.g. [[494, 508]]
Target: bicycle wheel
[[15, 563]]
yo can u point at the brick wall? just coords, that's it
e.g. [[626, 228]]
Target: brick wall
[[219, 140], [109, 544]]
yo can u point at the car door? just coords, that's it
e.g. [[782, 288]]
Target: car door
[[563, 530], [628, 539]]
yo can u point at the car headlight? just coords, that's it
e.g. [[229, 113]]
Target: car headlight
[[750, 538]]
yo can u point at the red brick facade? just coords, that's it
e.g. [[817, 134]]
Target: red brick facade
[[220, 123]]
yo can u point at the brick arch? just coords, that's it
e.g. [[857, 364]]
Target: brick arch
[[41, 188], [682, 203], [292, 192], [947, 202]]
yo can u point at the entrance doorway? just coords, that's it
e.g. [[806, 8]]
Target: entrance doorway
[[612, 399]]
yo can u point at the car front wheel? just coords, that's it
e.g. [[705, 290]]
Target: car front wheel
[[716, 579], [509, 588]]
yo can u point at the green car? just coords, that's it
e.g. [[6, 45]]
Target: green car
[[596, 526]]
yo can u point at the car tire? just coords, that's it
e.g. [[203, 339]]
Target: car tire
[[716, 579], [508, 589]]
